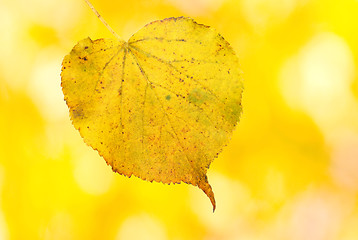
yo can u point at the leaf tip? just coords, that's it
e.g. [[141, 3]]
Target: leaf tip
[[205, 186]]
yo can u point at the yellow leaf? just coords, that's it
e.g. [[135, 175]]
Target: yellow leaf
[[160, 106]]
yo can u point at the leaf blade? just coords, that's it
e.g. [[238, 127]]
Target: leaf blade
[[162, 107]]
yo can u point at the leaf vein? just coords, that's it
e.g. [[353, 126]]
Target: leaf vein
[[169, 63], [165, 113]]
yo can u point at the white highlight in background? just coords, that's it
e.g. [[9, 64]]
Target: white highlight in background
[[318, 79]]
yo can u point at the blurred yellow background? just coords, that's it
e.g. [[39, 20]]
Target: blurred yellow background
[[290, 171]]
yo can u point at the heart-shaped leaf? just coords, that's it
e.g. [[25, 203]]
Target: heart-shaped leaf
[[160, 106]]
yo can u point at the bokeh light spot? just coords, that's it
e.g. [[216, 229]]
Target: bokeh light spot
[[197, 7], [261, 13], [59, 227], [318, 215], [141, 227], [92, 174], [45, 87], [3, 226], [234, 200], [318, 81], [344, 166]]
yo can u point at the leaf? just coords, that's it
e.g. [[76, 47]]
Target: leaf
[[160, 106]]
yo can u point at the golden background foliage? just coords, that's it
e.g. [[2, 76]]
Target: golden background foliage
[[289, 172]]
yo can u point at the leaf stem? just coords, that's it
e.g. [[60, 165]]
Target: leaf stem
[[102, 20]]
